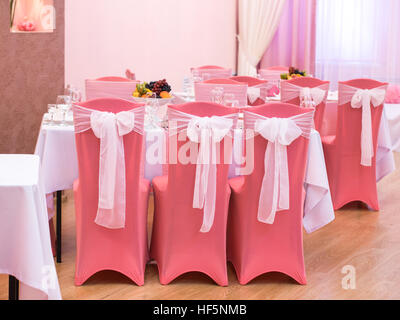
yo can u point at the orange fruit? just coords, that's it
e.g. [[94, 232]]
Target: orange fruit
[[165, 94]]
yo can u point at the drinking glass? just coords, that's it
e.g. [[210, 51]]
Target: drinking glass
[[51, 110], [64, 103]]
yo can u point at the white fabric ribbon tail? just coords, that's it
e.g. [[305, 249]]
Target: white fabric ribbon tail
[[110, 129], [208, 132], [363, 99], [274, 195]]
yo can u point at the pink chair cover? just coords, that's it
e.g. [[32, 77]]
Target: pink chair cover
[[185, 238], [115, 79], [110, 89], [202, 90], [258, 90], [213, 71], [265, 232], [393, 94], [294, 90], [350, 155], [99, 247]]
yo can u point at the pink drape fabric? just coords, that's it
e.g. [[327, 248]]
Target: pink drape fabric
[[124, 250], [294, 41]]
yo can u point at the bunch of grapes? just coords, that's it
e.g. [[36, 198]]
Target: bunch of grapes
[[158, 86]]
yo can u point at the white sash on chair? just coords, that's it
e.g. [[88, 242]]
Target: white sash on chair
[[254, 92], [110, 128], [280, 132], [311, 96], [208, 132], [363, 98]]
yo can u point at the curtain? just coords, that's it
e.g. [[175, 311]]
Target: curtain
[[294, 41], [358, 39], [258, 21]]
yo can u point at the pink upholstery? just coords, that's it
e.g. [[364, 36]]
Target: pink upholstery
[[393, 94], [177, 245], [117, 79], [124, 250], [277, 68], [202, 90], [252, 82], [311, 83], [213, 71], [348, 180], [254, 247], [110, 88]]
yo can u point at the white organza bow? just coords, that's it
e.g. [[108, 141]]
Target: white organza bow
[[110, 129], [208, 132], [363, 98], [311, 97], [280, 132]]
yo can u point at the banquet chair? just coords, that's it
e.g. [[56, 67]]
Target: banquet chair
[[110, 235], [312, 90], [110, 87], [258, 90], [350, 154], [117, 79], [212, 72], [258, 243], [272, 73], [182, 238], [203, 90]]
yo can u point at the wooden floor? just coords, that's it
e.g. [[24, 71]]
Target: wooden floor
[[368, 241]]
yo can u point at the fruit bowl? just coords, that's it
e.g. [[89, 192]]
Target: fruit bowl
[[159, 90]]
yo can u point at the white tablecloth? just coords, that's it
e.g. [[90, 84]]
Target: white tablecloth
[[384, 156], [25, 249], [393, 118], [56, 146]]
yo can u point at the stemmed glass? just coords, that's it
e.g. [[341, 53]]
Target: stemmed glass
[[73, 92], [64, 103], [51, 110]]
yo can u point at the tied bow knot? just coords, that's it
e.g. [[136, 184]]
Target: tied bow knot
[[363, 98], [110, 129], [208, 132], [274, 195], [311, 97]]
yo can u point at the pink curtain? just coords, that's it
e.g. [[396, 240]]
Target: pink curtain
[[294, 41]]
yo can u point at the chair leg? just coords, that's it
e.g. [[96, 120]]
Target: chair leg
[[58, 227], [13, 288]]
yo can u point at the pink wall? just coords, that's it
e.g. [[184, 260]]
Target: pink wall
[[32, 75], [154, 38]]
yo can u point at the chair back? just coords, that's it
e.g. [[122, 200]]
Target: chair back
[[110, 87], [203, 90], [256, 246], [99, 248], [211, 72], [291, 94]]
